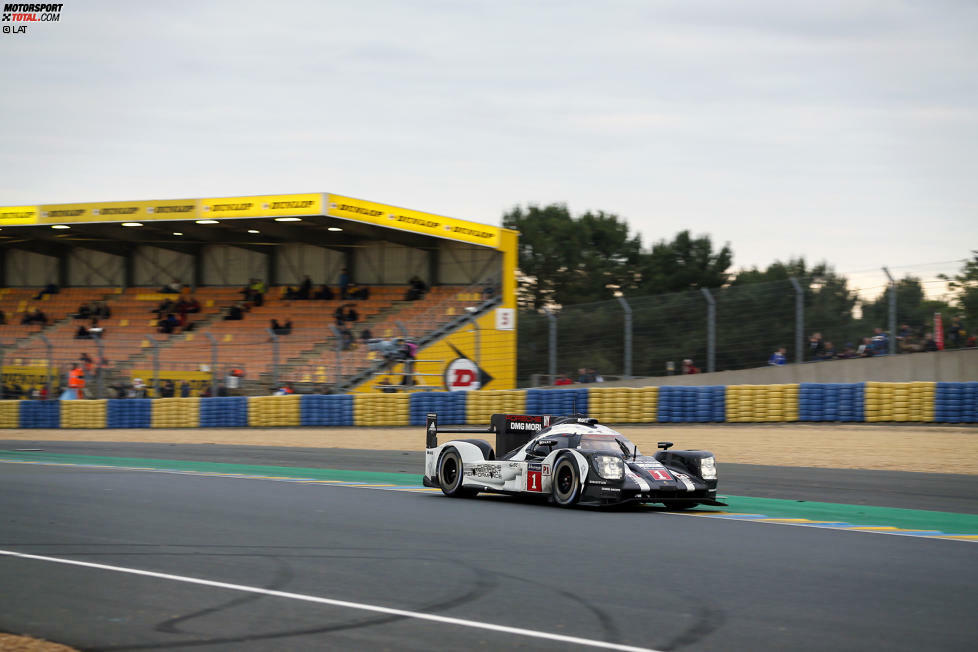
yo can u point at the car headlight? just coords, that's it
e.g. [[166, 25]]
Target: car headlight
[[608, 467], [708, 468]]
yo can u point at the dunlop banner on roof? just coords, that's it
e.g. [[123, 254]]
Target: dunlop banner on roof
[[408, 220], [14, 215], [119, 211], [262, 206]]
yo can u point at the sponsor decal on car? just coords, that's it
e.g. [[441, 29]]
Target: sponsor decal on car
[[660, 474], [485, 470], [534, 481]]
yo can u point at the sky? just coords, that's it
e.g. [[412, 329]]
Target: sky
[[838, 131]]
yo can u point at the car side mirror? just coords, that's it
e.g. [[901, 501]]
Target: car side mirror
[[543, 447], [665, 445]]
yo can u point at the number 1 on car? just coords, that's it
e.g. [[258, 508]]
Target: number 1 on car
[[533, 481]]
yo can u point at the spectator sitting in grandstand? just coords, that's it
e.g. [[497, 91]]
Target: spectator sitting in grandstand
[[346, 337], [84, 312], [338, 316], [323, 293], [305, 288], [351, 315], [282, 329], [165, 306], [366, 335], [355, 291], [50, 288], [778, 358], [82, 333], [95, 330], [188, 305], [167, 325], [416, 289], [689, 367], [3, 318], [865, 348], [173, 287], [563, 379], [236, 312], [35, 316]]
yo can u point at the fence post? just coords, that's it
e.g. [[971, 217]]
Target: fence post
[[339, 357], [893, 307], [274, 357], [799, 320], [99, 369], [711, 331], [628, 336], [552, 342], [213, 363], [47, 343]]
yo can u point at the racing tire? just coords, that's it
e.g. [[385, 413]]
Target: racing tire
[[450, 475], [679, 506], [566, 487]]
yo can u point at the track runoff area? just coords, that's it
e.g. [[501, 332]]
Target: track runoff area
[[121, 546]]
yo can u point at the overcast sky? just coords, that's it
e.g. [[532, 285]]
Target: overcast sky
[[840, 131]]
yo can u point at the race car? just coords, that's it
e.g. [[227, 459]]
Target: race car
[[569, 460]]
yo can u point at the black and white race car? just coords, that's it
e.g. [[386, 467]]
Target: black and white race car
[[569, 460]]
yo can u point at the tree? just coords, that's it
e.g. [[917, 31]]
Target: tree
[[965, 287], [564, 260], [913, 308], [686, 263]]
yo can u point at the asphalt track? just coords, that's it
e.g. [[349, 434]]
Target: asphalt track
[[643, 578]]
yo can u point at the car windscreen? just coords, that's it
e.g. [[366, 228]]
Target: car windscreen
[[607, 443]]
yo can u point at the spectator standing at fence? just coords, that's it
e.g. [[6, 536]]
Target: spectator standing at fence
[[305, 288], [815, 346], [168, 389], [184, 389], [880, 342], [583, 376], [76, 382], [778, 358], [563, 379], [689, 367], [829, 352], [955, 336]]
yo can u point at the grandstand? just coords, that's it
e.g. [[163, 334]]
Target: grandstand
[[216, 247]]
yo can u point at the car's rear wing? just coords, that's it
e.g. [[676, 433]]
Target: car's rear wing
[[512, 430]]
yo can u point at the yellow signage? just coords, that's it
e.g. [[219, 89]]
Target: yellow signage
[[415, 221], [262, 206], [14, 215], [119, 211]]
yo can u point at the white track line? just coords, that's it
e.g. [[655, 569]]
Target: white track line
[[339, 603]]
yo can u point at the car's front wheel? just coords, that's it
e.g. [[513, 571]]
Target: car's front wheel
[[566, 488], [450, 475]]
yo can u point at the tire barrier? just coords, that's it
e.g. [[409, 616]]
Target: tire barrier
[[623, 404], [273, 411], [831, 402], [824, 402], [450, 407], [762, 403], [326, 410], [956, 403], [678, 404]]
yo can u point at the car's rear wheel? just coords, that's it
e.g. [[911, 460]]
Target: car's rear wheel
[[566, 487], [673, 506], [450, 475]]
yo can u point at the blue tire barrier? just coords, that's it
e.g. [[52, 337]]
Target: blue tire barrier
[[129, 413], [450, 407], [326, 410]]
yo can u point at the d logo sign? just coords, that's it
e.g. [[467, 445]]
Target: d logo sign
[[462, 375]]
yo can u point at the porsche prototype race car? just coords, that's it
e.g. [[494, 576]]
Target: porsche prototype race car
[[568, 460]]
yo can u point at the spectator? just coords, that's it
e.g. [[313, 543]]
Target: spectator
[[84, 312], [829, 352], [583, 376], [35, 316], [323, 293], [50, 288], [344, 284], [598, 378], [282, 329], [257, 288], [815, 346], [346, 338], [285, 390], [689, 367], [168, 389], [563, 379], [305, 288], [82, 333], [94, 330], [365, 335], [929, 343], [880, 342], [416, 289], [236, 313], [76, 383], [168, 324], [173, 287], [351, 314], [778, 358], [138, 389], [955, 335], [865, 349], [339, 316], [184, 389], [165, 306], [3, 318], [355, 291]]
